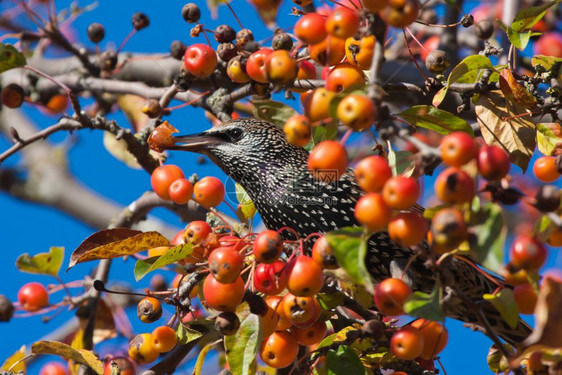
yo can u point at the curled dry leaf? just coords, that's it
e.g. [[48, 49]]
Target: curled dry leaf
[[508, 125], [114, 243], [515, 91]]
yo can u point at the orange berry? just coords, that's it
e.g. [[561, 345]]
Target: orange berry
[[525, 298], [328, 161], [345, 76], [401, 192], [208, 191], [435, 337], [372, 173], [279, 350], [454, 186], [298, 130], [164, 339], [390, 295], [360, 52], [356, 111], [545, 170], [407, 228], [407, 343], [372, 212]]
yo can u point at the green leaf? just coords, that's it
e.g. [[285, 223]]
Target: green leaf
[[242, 347], [323, 133], [497, 361], [329, 301], [186, 335], [427, 306], [519, 39], [547, 139], [429, 117], [10, 58], [399, 161], [42, 263], [201, 358], [350, 248], [174, 254], [504, 301], [526, 18], [273, 111], [467, 71], [246, 209], [491, 231], [344, 361], [547, 62]]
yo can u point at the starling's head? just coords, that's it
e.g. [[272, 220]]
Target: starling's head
[[246, 146]]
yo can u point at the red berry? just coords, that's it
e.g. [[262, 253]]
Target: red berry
[[527, 252], [372, 173], [53, 368], [223, 297], [200, 60], [162, 178], [268, 246], [180, 191], [390, 295], [458, 148], [407, 228], [407, 343], [225, 264], [493, 162], [208, 191], [270, 279], [310, 28], [401, 192], [33, 296], [255, 66], [304, 276]]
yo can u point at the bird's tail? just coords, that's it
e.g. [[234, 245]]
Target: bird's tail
[[474, 282]]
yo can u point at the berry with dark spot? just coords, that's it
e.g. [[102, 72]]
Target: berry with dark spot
[[149, 310], [244, 36], [282, 41], [224, 34], [437, 61], [96, 32], [6, 309], [140, 21], [227, 323], [227, 51], [177, 49], [191, 13]]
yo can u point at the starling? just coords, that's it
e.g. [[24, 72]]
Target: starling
[[274, 173]]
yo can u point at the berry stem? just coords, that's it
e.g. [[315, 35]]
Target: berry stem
[[412, 55], [234, 14]]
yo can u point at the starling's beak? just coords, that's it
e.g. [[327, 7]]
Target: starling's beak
[[194, 142]]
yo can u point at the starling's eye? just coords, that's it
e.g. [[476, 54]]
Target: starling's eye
[[235, 134]]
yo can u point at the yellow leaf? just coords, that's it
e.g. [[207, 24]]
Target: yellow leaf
[[82, 356], [17, 357]]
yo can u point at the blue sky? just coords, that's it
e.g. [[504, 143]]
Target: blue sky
[[30, 228]]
